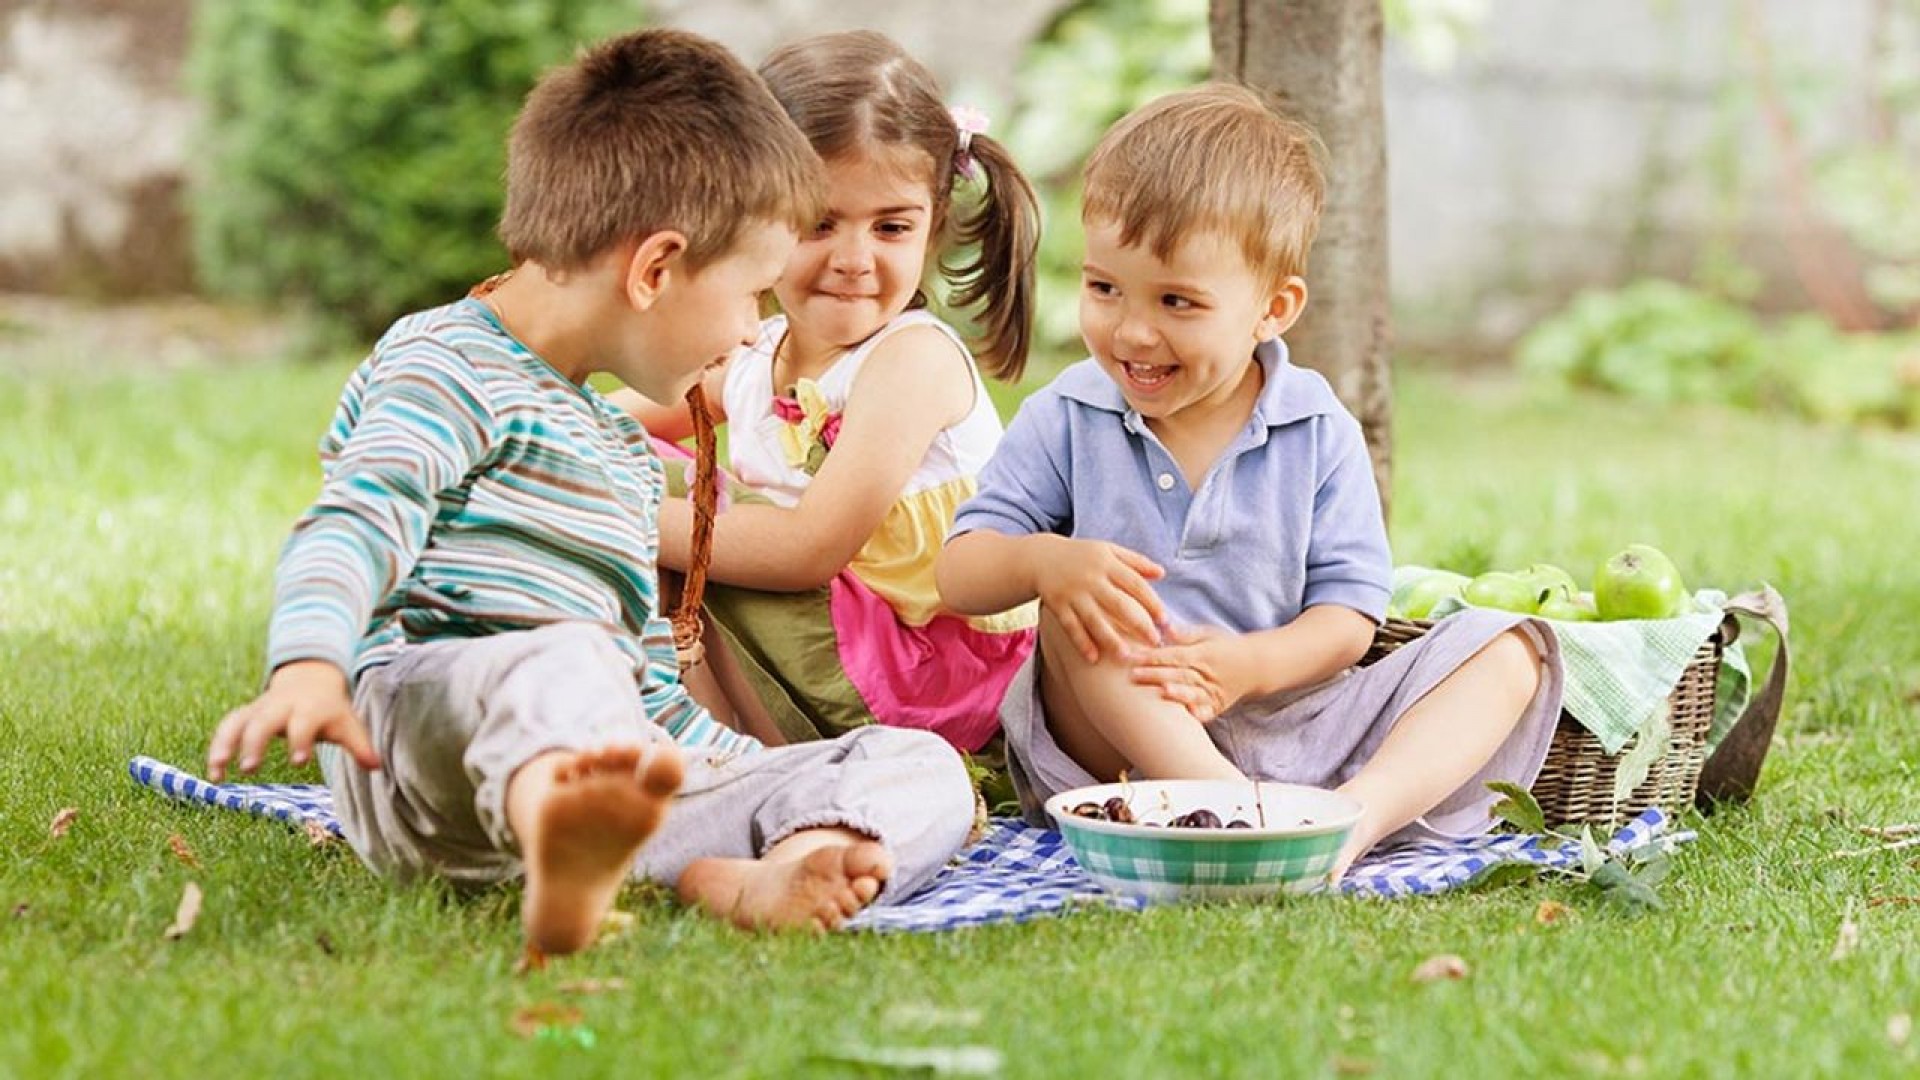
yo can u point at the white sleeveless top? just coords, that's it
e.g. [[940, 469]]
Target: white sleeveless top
[[757, 452], [770, 455]]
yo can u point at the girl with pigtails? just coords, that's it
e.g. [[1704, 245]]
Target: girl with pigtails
[[858, 420]]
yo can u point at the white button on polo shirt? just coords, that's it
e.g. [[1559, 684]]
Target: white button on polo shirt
[[1165, 481]]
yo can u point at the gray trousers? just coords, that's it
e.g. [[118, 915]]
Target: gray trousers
[[453, 720]]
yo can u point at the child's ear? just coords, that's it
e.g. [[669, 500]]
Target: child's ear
[[652, 266], [1284, 309]]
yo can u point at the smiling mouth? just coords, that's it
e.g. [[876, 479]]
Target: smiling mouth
[[847, 298], [1148, 376]]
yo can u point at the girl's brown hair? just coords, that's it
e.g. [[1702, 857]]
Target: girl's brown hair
[[848, 91]]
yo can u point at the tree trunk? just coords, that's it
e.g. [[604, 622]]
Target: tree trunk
[[1321, 59]]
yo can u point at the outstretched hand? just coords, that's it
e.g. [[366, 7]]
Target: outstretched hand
[[1204, 669], [1098, 593], [306, 701]]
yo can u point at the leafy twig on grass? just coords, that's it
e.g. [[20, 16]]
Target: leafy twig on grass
[[1624, 880]]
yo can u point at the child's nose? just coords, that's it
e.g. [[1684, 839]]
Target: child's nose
[[851, 255], [1134, 330]]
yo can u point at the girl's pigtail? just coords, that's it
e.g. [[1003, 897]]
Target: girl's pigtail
[[1002, 230]]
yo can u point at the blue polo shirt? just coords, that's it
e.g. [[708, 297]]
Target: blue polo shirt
[[1285, 519]]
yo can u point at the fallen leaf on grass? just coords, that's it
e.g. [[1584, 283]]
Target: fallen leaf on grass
[[20, 910], [931, 1060], [318, 835], [529, 1020], [62, 821], [1899, 1028], [1440, 966], [1848, 939], [592, 986], [178, 845], [187, 914], [1553, 911], [1346, 1066], [1894, 901]]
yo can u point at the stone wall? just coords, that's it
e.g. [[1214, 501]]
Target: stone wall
[[1575, 143], [1569, 143], [95, 147]]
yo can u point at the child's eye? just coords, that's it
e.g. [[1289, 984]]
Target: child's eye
[[1100, 288], [895, 228], [1176, 302], [823, 227]]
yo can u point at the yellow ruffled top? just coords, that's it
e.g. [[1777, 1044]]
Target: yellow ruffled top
[[897, 560]]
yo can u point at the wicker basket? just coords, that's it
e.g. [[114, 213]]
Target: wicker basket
[[1576, 782]]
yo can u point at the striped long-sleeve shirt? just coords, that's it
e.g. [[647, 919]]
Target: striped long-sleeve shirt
[[471, 489]]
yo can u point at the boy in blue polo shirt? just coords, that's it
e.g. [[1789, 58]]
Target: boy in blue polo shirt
[[1198, 519]]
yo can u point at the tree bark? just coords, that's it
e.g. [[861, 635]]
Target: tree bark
[[1321, 60]]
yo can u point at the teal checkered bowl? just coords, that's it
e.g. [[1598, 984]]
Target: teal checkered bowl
[[1295, 837]]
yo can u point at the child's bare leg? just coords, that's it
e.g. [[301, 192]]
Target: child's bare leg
[[815, 880], [750, 714], [580, 816], [1442, 741], [1107, 722]]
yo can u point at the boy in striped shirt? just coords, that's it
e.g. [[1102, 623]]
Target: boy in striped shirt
[[468, 617]]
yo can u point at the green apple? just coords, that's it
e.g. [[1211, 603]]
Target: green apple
[[1502, 589], [1416, 597], [1568, 606], [1639, 582], [1545, 578]]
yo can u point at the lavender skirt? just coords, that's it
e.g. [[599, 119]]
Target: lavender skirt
[[1324, 735]]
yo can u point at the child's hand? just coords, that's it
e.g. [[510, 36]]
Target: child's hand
[[305, 700], [1205, 669], [1099, 594]]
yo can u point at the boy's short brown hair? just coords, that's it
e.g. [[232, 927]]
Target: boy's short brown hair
[[1214, 158], [654, 130]]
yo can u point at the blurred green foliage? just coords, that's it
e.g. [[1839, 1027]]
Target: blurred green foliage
[[1099, 60], [1664, 342], [353, 151], [1661, 341]]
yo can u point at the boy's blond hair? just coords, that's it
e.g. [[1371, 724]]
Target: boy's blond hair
[[655, 130], [1214, 158]]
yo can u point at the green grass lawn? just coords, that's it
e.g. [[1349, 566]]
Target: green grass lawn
[[141, 517]]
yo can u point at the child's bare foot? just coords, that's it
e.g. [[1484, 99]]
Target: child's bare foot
[[580, 828], [816, 891]]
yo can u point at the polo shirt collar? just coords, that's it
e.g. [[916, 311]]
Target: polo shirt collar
[[1288, 395]]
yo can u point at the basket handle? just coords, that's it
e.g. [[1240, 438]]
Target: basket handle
[[1733, 771], [705, 494]]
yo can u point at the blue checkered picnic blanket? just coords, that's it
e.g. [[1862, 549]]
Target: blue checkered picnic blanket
[[1016, 872]]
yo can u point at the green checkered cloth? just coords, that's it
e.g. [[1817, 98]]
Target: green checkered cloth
[[1619, 674], [1175, 867]]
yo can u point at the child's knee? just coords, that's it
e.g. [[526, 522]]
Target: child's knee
[[1514, 659]]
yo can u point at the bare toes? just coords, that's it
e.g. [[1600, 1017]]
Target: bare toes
[[663, 773]]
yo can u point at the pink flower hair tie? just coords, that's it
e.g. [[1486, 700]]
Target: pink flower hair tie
[[969, 121]]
